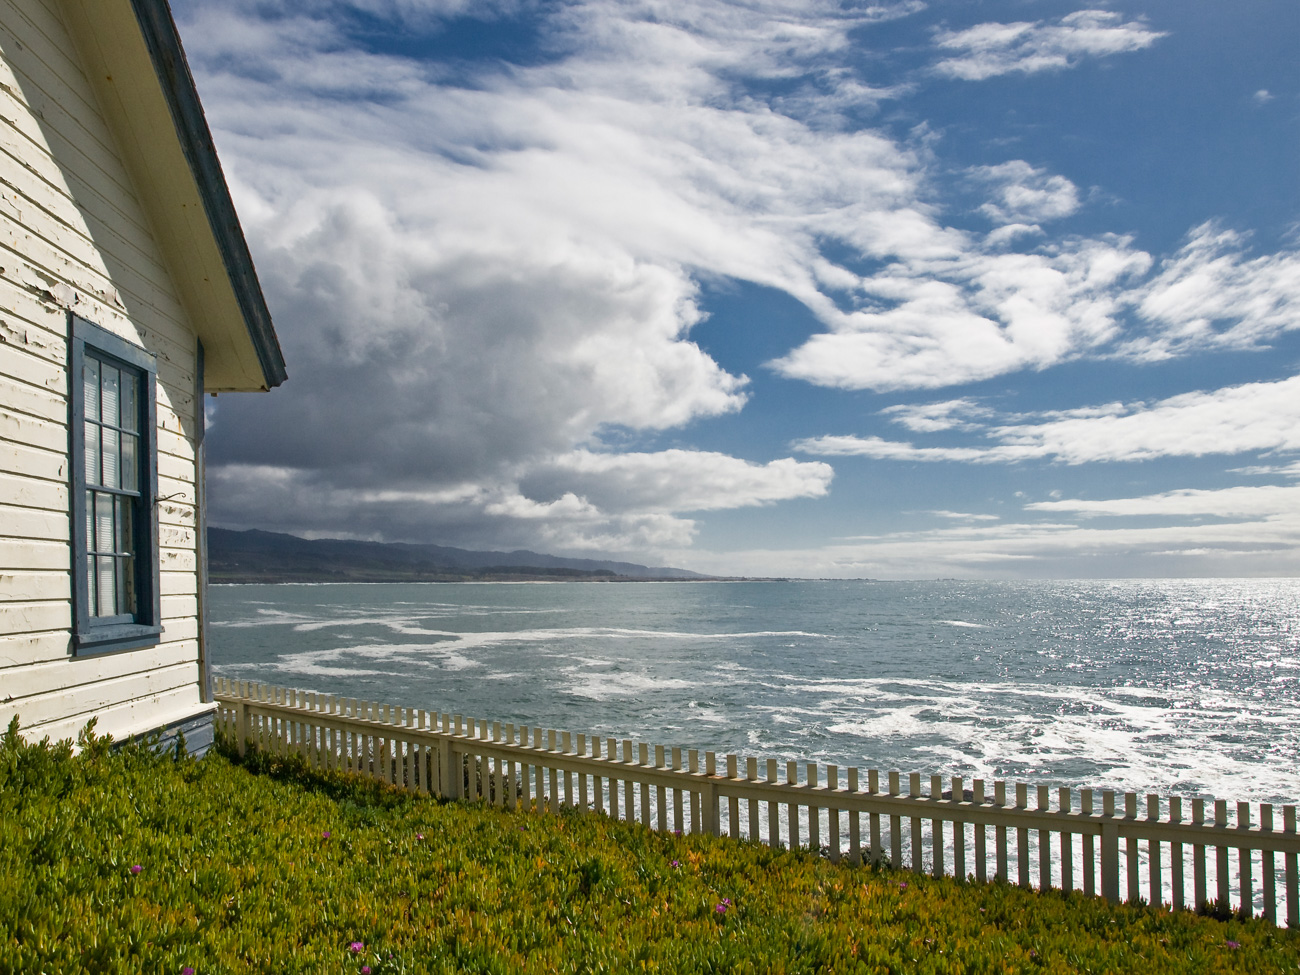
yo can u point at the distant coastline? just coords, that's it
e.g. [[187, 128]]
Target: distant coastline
[[260, 557]]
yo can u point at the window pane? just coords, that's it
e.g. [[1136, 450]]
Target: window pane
[[90, 387], [90, 586], [112, 460], [92, 453], [125, 596], [107, 586], [130, 404], [130, 464], [108, 384], [129, 601], [90, 521], [104, 523]]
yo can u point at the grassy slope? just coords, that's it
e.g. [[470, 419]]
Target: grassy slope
[[238, 875]]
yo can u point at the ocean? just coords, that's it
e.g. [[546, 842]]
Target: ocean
[[1187, 687]]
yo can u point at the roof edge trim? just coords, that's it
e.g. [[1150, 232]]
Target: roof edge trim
[[161, 37]]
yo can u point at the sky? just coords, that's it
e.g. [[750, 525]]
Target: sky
[[998, 289]]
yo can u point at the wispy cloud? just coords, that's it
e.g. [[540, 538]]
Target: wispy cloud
[[1235, 502], [1232, 420], [1213, 294], [992, 49]]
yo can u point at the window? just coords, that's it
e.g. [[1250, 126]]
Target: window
[[114, 484]]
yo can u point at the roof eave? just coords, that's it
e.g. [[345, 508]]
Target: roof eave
[[135, 61]]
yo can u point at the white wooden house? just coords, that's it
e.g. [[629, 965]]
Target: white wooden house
[[126, 292]]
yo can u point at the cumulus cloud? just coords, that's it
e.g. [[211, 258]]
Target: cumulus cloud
[[1232, 420], [487, 273], [477, 277], [1025, 195], [989, 50], [577, 501]]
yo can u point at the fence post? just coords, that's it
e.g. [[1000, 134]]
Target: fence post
[[1000, 832], [958, 830], [895, 826], [1065, 804], [936, 828], [1199, 896], [1221, 855], [792, 807], [1022, 837], [1176, 856], [1109, 848], [679, 819], [241, 718], [1244, 865], [1155, 875], [918, 853], [733, 803], [1292, 901], [1269, 880], [873, 786], [710, 796], [773, 810], [814, 811], [855, 825], [447, 760]]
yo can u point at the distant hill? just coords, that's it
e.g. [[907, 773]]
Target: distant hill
[[258, 556]]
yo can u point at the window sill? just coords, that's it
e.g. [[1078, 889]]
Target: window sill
[[113, 637]]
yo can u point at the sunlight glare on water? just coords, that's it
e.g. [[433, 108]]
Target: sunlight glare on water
[[1187, 687]]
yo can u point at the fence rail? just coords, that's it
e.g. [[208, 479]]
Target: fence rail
[[1121, 846]]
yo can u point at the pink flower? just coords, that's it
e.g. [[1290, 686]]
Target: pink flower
[[1233, 944], [356, 947], [325, 835], [721, 908], [365, 970], [187, 970], [135, 869], [676, 863], [419, 836]]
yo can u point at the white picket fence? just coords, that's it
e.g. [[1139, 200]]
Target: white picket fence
[[1118, 846]]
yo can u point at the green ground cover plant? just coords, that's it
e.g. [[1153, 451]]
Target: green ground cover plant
[[124, 860]]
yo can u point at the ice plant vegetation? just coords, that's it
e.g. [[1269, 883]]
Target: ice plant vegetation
[[239, 881]]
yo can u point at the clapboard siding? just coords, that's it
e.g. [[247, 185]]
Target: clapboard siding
[[24, 649], [123, 721], [74, 236], [35, 681], [27, 395], [83, 700], [50, 649], [28, 492], [37, 325], [21, 585], [18, 526], [21, 554], [28, 617], [45, 464]]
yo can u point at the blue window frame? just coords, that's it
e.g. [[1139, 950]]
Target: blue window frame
[[113, 442]]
